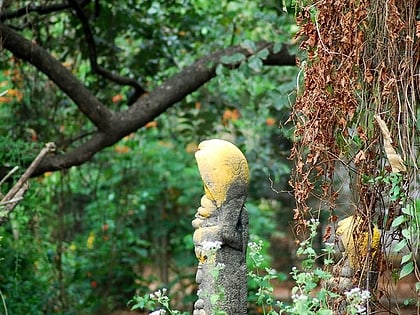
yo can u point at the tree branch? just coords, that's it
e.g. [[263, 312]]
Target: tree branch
[[15, 194], [77, 156], [96, 68], [38, 9], [189, 80], [151, 105], [41, 59], [281, 58], [114, 126]]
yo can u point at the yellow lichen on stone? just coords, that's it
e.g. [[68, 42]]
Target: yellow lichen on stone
[[207, 207], [221, 164], [205, 212], [356, 243], [205, 234]]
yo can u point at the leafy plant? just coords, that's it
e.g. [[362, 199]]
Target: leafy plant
[[408, 223], [118, 223], [306, 299], [151, 301]]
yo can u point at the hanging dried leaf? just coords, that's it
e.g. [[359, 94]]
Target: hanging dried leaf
[[360, 156], [396, 162]]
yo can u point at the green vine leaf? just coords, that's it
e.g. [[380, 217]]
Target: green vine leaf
[[249, 45], [233, 59], [406, 270], [255, 64], [263, 54], [398, 221], [400, 245], [277, 47], [406, 258]]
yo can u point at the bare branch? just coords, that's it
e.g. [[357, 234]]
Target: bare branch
[[77, 156], [41, 59], [8, 15], [18, 197], [64, 144], [281, 58], [96, 68], [7, 206], [19, 189], [10, 173]]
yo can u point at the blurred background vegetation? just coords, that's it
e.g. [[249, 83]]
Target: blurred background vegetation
[[86, 239]]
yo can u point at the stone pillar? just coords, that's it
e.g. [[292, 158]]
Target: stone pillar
[[360, 245], [221, 229]]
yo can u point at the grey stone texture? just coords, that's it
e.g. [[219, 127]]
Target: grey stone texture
[[221, 230]]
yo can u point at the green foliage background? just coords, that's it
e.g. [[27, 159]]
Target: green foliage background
[[86, 239]]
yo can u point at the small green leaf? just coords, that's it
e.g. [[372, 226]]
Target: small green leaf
[[406, 258], [244, 69], [221, 70], [135, 307], [277, 47], [233, 59], [406, 233], [409, 210], [255, 64], [398, 221], [400, 245], [406, 270], [395, 193], [310, 251], [324, 312], [407, 302], [248, 45], [262, 54]]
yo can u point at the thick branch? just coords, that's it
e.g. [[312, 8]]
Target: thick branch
[[41, 59], [77, 156], [151, 105], [96, 68], [189, 80], [38, 9], [281, 58], [113, 126]]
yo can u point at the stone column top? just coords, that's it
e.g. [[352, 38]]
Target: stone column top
[[223, 169]]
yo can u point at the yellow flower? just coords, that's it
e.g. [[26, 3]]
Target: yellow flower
[[90, 240]]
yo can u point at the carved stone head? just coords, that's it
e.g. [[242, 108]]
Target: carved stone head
[[223, 169]]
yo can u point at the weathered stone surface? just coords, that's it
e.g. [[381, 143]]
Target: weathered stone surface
[[221, 229]]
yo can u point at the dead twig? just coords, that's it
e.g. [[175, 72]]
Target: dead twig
[[9, 202], [9, 174]]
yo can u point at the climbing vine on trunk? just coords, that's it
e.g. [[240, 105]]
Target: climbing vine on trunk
[[357, 111]]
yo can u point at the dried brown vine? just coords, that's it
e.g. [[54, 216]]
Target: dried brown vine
[[333, 42], [361, 69]]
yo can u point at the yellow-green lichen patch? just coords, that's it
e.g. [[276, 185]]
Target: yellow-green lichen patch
[[357, 243], [221, 165]]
